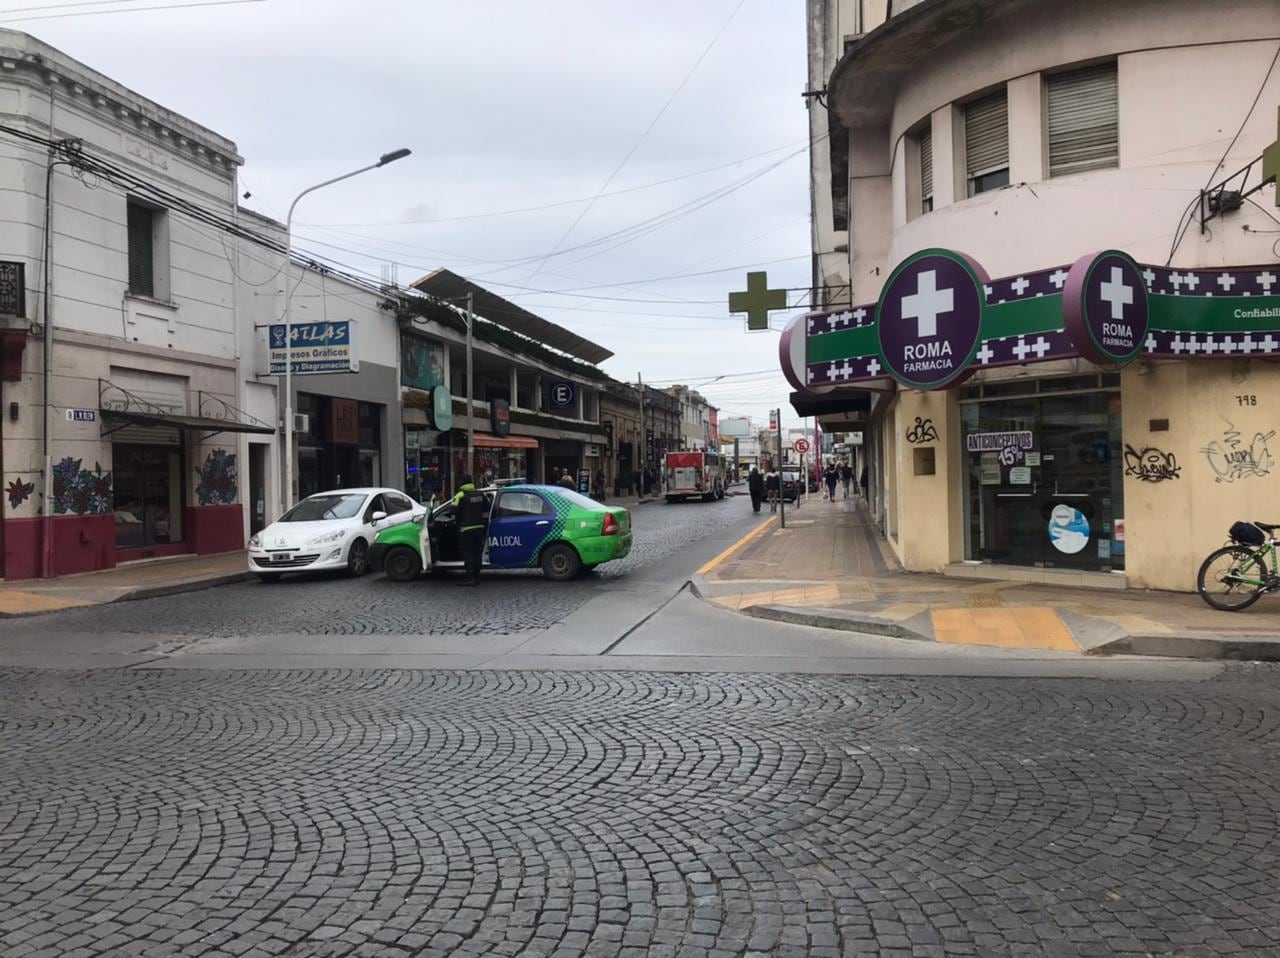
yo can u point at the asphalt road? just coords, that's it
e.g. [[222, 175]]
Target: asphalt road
[[396, 813]]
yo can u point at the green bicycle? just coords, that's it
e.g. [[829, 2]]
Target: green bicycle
[[1236, 576]]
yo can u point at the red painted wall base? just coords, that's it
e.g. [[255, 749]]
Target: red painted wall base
[[212, 529], [80, 544]]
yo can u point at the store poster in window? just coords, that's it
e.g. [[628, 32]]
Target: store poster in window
[[421, 363]]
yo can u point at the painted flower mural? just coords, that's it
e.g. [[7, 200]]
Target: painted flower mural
[[217, 479], [19, 492], [79, 491]]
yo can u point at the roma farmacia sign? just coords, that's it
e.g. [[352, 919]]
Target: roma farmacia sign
[[940, 318]]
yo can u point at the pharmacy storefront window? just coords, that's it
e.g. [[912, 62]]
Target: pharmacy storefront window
[[1044, 474]]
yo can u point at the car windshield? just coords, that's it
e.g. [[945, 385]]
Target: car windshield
[[330, 506]]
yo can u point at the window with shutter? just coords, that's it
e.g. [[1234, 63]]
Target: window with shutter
[[926, 169], [1084, 120], [986, 143], [141, 250]]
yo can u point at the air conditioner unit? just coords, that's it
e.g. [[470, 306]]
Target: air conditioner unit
[[301, 422]]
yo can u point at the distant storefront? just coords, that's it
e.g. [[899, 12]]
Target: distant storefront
[[341, 446]]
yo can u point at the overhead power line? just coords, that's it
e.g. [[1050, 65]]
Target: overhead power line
[[635, 146], [97, 13]]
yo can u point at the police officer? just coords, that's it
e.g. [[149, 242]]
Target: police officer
[[473, 527]]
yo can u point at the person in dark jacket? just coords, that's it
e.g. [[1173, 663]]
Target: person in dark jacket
[[772, 488], [473, 527], [831, 476], [755, 486], [846, 477]]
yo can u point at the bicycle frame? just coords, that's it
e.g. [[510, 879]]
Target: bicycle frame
[[1268, 548]]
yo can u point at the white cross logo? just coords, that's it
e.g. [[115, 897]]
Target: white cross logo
[[845, 371], [811, 322], [1019, 285], [985, 354], [927, 303], [986, 290], [1151, 343], [1247, 345], [1226, 281], [1041, 347], [873, 367], [1193, 347], [809, 374], [1149, 277], [1226, 345], [1265, 280], [1192, 281], [1177, 346], [1021, 349], [859, 315], [835, 319], [1175, 280], [1059, 278], [1268, 344], [1117, 292]]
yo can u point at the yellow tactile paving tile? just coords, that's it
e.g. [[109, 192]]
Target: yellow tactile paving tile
[[1028, 627], [20, 603]]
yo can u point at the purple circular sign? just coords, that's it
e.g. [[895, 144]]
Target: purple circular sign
[[929, 318], [1105, 308]]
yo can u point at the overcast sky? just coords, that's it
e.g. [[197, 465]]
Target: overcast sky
[[509, 104]]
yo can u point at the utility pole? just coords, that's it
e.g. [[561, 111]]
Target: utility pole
[[782, 499], [642, 453], [471, 426]]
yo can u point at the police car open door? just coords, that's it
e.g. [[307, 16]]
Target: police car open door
[[521, 520]]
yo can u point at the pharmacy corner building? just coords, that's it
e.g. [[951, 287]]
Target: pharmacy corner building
[[1099, 422]]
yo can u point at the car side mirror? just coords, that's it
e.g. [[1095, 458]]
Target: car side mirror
[[378, 517]]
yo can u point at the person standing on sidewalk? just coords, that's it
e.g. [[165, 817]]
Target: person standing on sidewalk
[[831, 476], [772, 487], [846, 477], [862, 481], [755, 486], [473, 527]]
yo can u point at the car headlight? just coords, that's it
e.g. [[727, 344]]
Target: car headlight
[[255, 541], [327, 538]]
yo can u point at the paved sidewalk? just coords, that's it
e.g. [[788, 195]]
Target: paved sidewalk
[[831, 567], [137, 580]]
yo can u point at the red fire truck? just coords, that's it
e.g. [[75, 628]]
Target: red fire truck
[[695, 474]]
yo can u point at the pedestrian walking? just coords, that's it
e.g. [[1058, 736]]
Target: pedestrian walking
[[863, 483], [473, 527], [846, 477], [772, 487], [755, 486], [831, 476], [600, 485]]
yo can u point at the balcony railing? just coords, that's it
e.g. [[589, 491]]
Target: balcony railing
[[13, 290]]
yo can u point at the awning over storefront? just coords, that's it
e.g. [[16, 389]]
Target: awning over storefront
[[132, 417], [489, 441], [850, 403]]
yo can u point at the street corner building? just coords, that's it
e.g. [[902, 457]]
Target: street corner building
[[1045, 244]]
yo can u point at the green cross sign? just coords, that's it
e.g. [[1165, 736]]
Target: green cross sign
[[1271, 164], [757, 300]]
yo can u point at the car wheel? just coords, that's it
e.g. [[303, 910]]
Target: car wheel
[[269, 577], [560, 562], [358, 558], [402, 564]]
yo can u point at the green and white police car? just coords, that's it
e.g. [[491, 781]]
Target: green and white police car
[[555, 528]]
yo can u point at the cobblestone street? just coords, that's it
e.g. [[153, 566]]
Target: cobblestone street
[[312, 813]]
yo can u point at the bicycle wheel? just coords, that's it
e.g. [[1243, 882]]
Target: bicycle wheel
[[1231, 578]]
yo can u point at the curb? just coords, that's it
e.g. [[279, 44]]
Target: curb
[[869, 625], [1188, 647], [151, 592]]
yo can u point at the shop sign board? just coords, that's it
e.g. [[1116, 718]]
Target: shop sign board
[[1105, 308], [441, 408], [500, 417], [999, 441], [584, 481], [82, 415], [317, 348], [344, 422], [939, 319], [929, 318], [421, 362], [563, 395]]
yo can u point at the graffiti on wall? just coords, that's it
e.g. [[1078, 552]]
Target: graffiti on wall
[[19, 492], [1232, 459], [81, 492], [217, 479], [1150, 464], [922, 431]]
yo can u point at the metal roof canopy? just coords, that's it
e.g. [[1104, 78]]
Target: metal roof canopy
[[445, 284]]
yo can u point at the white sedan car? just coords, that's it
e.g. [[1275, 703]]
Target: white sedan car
[[330, 530]]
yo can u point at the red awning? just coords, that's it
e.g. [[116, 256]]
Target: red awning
[[489, 441]]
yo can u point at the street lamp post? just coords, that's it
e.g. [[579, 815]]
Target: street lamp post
[[288, 326]]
